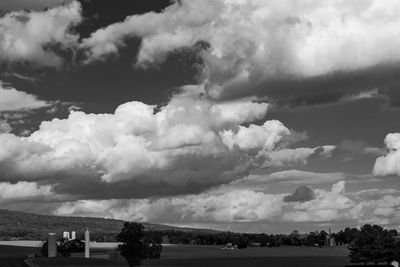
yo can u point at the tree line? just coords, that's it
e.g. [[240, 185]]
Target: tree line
[[369, 244], [315, 238]]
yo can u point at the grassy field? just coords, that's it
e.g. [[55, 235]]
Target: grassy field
[[11, 256], [195, 251], [16, 252], [209, 256]]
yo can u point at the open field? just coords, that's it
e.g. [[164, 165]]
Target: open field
[[12, 256], [185, 256], [188, 256], [16, 252], [196, 251], [200, 256]]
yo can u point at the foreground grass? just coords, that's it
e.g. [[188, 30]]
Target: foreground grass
[[210, 256], [16, 252]]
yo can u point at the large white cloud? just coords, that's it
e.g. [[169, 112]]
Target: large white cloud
[[142, 145], [27, 36], [327, 206], [255, 136], [389, 163], [255, 40], [297, 156]]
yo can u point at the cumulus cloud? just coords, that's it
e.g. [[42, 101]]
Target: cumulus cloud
[[327, 206], [389, 164], [23, 190], [28, 36], [217, 205], [252, 41], [301, 194], [141, 147], [226, 204], [14, 100], [296, 156], [255, 136]]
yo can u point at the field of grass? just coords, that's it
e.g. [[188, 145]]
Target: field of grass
[[196, 251], [16, 252], [209, 256], [12, 256]]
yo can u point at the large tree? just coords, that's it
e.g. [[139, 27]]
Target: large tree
[[135, 246], [372, 244]]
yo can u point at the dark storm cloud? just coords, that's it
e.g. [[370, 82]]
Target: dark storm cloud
[[294, 58], [189, 175], [145, 85], [301, 194], [286, 92]]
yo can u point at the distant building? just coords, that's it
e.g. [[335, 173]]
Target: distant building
[[330, 240], [230, 246]]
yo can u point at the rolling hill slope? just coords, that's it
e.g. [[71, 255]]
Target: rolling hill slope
[[28, 226]]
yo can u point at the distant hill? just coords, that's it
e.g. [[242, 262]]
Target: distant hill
[[28, 226]]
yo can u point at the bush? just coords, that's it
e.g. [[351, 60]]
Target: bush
[[242, 243], [154, 251]]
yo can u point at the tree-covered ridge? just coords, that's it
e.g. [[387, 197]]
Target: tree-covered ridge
[[29, 226]]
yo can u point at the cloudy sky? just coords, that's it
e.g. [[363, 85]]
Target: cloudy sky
[[247, 115]]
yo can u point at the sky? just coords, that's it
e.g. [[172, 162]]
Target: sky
[[242, 115]]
